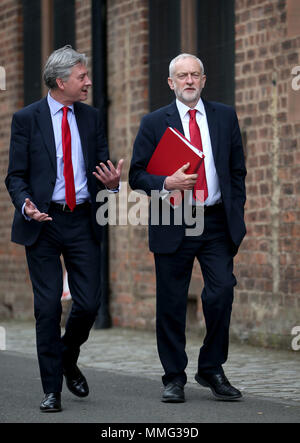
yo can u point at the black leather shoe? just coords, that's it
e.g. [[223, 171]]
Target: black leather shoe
[[51, 402], [219, 385], [76, 382], [173, 393]]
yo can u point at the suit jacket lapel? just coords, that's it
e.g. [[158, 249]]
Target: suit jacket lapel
[[173, 118], [82, 129], [44, 121], [213, 126]]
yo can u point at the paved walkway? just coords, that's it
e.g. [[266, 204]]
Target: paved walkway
[[255, 371], [124, 401]]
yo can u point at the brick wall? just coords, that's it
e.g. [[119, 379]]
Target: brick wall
[[15, 293], [268, 295], [131, 264], [83, 33]]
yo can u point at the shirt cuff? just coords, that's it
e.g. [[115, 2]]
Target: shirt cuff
[[164, 192], [114, 191], [24, 214]]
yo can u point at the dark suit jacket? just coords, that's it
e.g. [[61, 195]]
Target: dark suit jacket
[[32, 162], [229, 161]]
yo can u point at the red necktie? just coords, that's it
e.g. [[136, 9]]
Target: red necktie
[[67, 157], [195, 138]]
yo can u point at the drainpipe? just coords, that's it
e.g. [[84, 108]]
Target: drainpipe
[[103, 319]]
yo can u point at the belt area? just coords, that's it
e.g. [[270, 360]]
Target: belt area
[[65, 208], [208, 209]]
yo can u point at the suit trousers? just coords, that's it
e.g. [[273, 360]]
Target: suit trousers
[[70, 235], [213, 249]]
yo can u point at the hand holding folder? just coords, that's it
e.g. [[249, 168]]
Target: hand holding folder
[[172, 153]]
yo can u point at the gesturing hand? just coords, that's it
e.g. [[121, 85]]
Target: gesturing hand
[[181, 181], [110, 177], [31, 211]]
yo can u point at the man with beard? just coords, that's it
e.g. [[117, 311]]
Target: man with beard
[[219, 187]]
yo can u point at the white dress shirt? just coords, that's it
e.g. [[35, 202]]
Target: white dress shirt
[[79, 171], [214, 193]]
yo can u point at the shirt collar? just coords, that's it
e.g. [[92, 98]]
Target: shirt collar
[[56, 106], [184, 109]]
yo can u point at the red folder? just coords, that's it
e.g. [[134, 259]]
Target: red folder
[[172, 152]]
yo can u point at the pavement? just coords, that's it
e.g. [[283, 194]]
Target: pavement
[[124, 375]]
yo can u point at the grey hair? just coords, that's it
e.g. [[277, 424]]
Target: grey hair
[[181, 57], [60, 63]]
